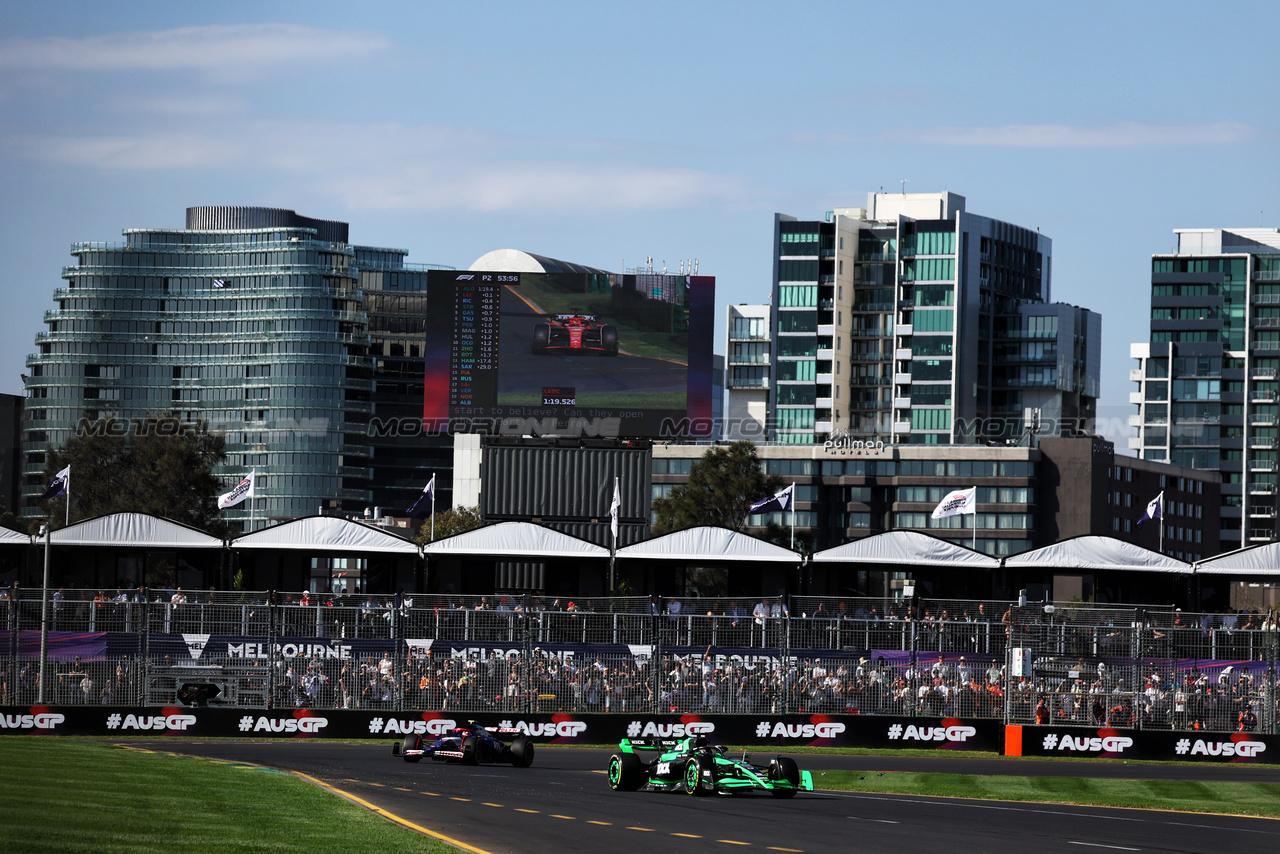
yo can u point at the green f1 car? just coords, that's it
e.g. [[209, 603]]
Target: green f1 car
[[693, 766]]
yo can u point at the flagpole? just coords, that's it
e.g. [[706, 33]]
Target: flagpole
[[433, 507], [66, 507], [613, 527], [793, 515]]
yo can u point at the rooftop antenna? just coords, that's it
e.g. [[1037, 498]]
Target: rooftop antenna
[[695, 267], [905, 181]]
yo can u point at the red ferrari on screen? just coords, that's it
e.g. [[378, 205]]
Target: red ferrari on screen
[[574, 333]]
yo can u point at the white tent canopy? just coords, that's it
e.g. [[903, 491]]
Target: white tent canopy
[[326, 534], [514, 539], [1097, 553], [130, 530], [708, 543], [1253, 560], [13, 538], [906, 547]]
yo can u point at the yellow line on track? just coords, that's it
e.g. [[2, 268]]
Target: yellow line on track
[[391, 816], [568, 817], [645, 829], [492, 805], [732, 842], [687, 835], [603, 823], [528, 811]]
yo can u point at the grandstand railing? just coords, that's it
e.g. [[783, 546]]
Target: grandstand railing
[[1065, 663]]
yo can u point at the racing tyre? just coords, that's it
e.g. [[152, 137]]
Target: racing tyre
[[411, 742], [783, 770], [541, 338], [626, 772], [694, 783], [469, 748], [609, 340], [522, 753]]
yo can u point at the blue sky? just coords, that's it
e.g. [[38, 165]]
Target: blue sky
[[603, 134]]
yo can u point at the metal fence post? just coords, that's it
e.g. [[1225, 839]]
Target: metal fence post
[[271, 649]]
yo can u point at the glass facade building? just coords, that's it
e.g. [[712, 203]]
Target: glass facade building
[[1207, 379], [913, 321], [269, 327]]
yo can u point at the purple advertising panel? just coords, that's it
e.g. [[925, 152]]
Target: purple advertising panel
[[772, 731], [1130, 744]]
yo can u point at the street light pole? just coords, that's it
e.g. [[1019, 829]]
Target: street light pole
[[44, 618]]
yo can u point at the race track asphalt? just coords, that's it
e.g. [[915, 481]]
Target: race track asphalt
[[563, 804]]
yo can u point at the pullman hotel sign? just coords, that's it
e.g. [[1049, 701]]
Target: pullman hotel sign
[[843, 443]]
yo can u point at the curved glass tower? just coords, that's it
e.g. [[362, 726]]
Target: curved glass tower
[[249, 319]]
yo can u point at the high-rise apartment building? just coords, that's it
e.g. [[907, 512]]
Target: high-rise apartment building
[[746, 379], [912, 321], [1207, 379], [268, 326]]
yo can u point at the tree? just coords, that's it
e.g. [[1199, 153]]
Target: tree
[[722, 487], [159, 465], [455, 520]]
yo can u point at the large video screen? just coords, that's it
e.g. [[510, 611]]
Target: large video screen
[[569, 354]]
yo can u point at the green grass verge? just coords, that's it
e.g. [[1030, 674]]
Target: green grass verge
[[1260, 799], [64, 795]]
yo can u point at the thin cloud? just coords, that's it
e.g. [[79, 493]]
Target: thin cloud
[[390, 166], [209, 48], [1120, 135]]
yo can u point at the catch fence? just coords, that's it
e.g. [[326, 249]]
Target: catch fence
[[1061, 663]]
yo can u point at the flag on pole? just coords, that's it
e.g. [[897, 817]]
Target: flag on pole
[[243, 490], [614, 507], [423, 505], [1154, 508], [59, 485], [779, 501], [219, 283], [957, 502]]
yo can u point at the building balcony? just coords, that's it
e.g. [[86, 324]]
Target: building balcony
[[902, 353], [826, 329], [1262, 396], [1266, 275], [902, 403], [1262, 489], [822, 402], [1262, 420], [825, 353], [1264, 374], [903, 427], [1262, 442], [902, 379], [904, 329], [824, 379], [1135, 375], [1262, 512], [1262, 465], [1135, 397], [1261, 535], [1135, 443], [1135, 420]]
